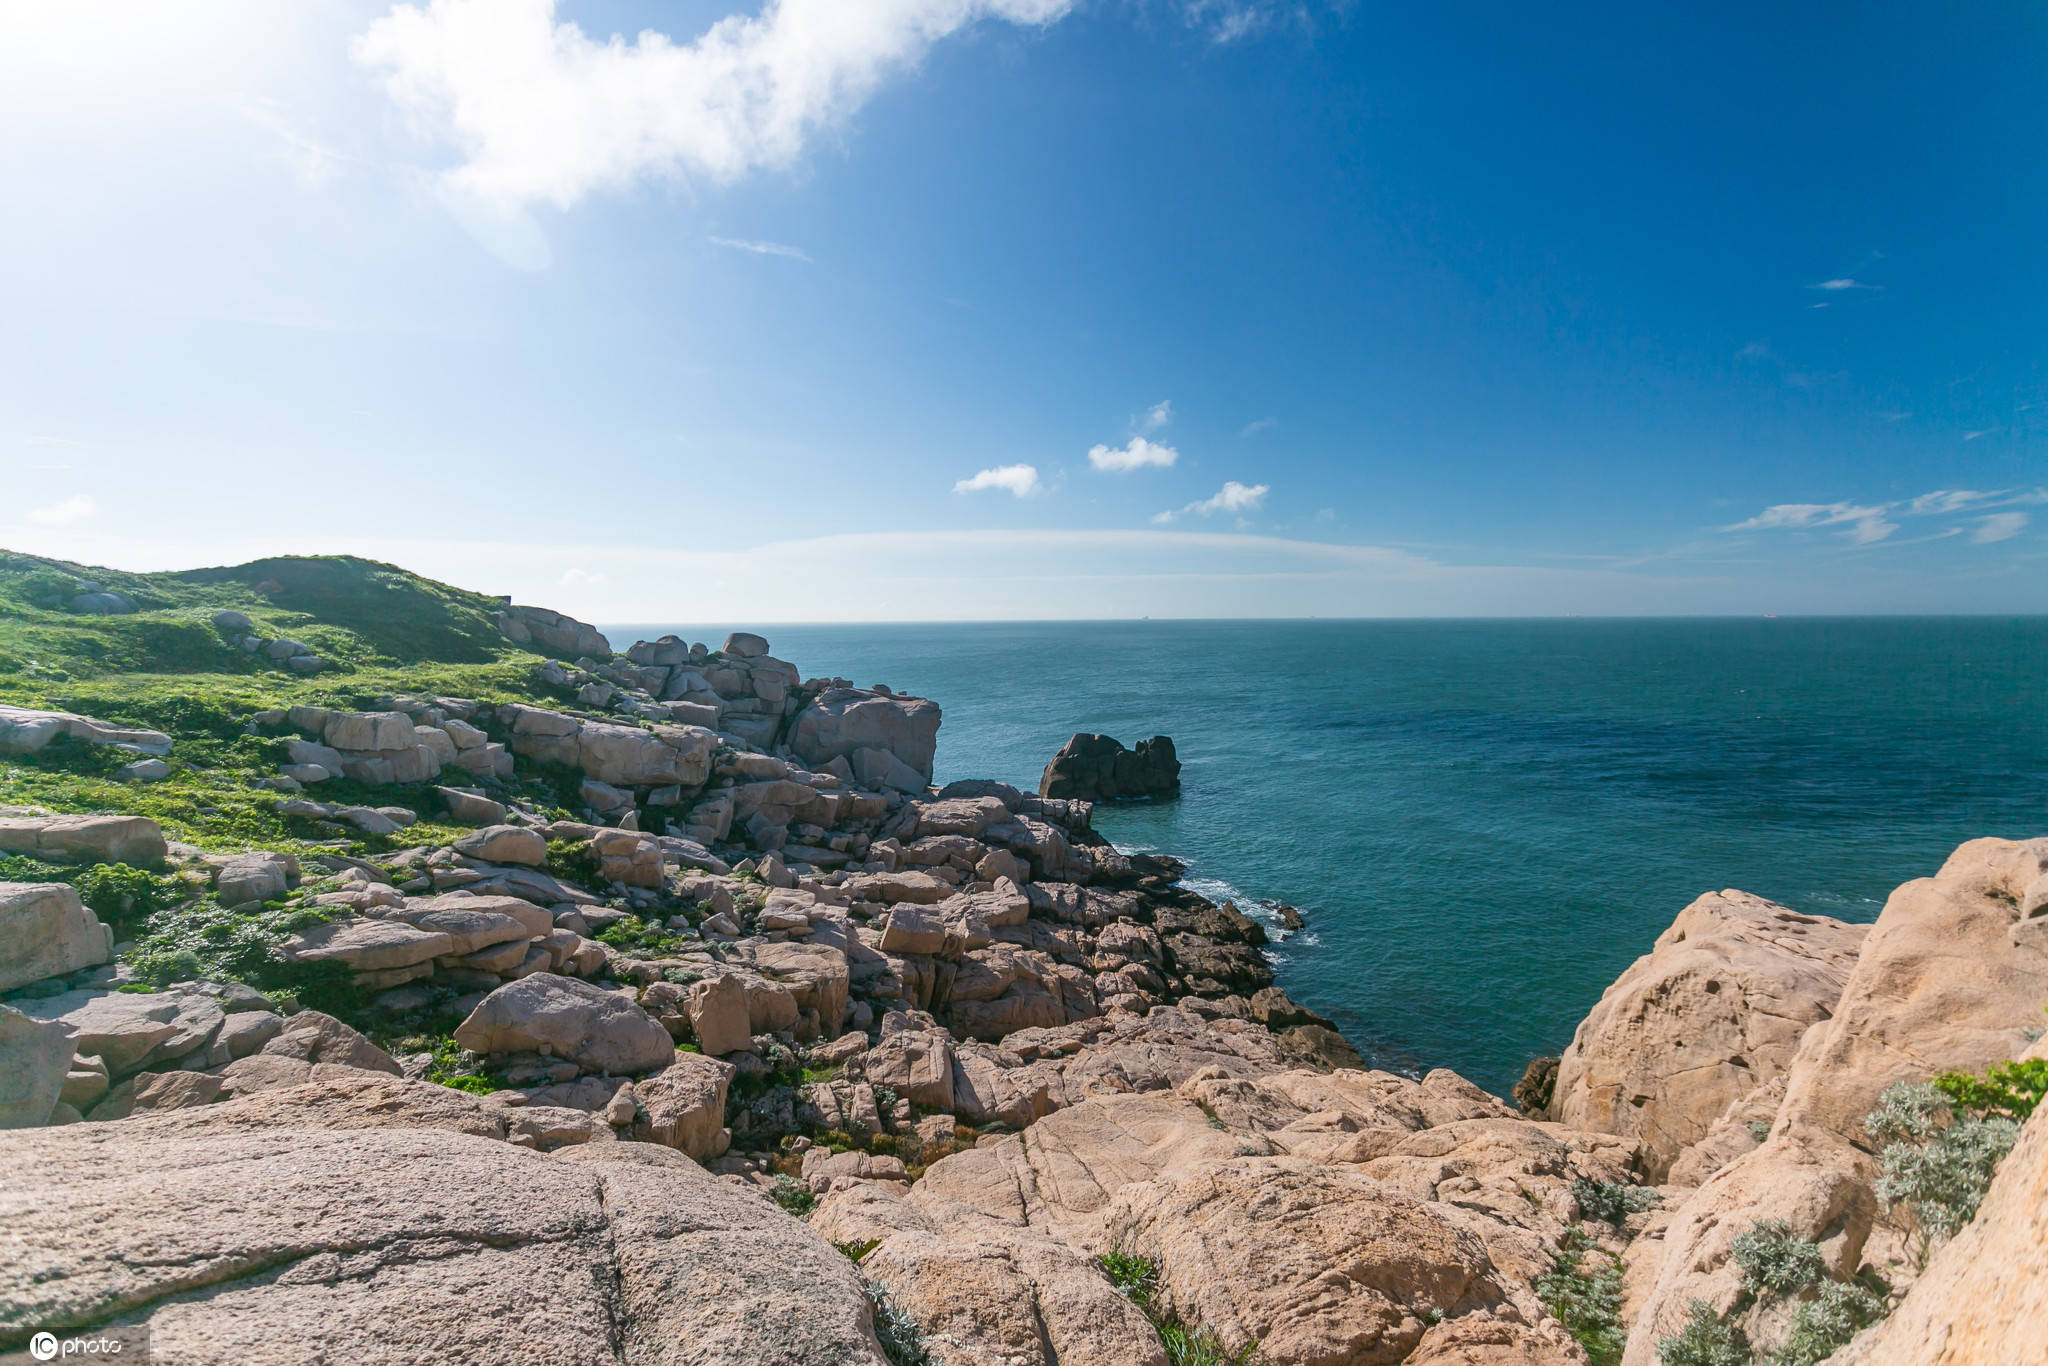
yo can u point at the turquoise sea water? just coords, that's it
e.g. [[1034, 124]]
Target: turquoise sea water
[[1484, 822]]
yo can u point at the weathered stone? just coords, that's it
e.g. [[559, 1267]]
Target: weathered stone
[[683, 1106], [46, 931], [1096, 768], [471, 808], [369, 730], [254, 877], [505, 844], [843, 720], [598, 1030], [104, 839], [1716, 1008], [471, 1249], [367, 945], [916, 1064], [719, 1015], [35, 1060], [24, 730], [1940, 984]]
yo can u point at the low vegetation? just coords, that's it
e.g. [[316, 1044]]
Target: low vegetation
[[1942, 1142], [1586, 1299], [1611, 1202], [1137, 1279]]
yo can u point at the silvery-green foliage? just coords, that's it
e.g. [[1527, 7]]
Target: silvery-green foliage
[[1777, 1261], [1824, 1324]]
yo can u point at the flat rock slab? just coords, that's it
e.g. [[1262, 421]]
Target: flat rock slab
[[284, 1244], [596, 1029], [106, 839]]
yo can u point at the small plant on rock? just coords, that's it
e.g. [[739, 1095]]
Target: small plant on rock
[[1586, 1302], [902, 1341], [1824, 1324], [1706, 1340], [1777, 1261], [1611, 1202], [2010, 1090], [1937, 1160], [794, 1196]]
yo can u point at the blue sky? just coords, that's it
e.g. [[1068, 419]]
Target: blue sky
[[1038, 308]]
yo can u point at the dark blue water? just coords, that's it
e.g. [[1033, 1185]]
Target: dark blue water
[[1484, 822]]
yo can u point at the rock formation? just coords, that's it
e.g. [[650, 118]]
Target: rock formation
[[760, 965], [1096, 768]]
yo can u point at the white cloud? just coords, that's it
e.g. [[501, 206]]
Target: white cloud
[[1158, 415], [1999, 526], [1980, 433], [70, 512], [1022, 480], [541, 111], [1232, 497], [1254, 428], [1800, 516], [1867, 524], [1946, 500], [1138, 454], [1844, 283], [761, 248], [576, 577]]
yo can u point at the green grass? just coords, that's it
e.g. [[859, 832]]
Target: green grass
[[355, 612], [1136, 1279]]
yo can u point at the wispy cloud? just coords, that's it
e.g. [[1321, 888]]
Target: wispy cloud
[[1021, 480], [1136, 454], [1232, 497], [1843, 284], [1870, 523], [1999, 526], [70, 512], [1158, 415], [761, 248], [1980, 433], [577, 577], [540, 111], [1262, 425]]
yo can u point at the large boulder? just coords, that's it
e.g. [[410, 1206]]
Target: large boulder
[[843, 720], [598, 1030], [683, 1106], [46, 931], [98, 839], [35, 1059], [1715, 1009], [24, 730], [553, 632], [505, 844], [132, 1030], [1949, 978], [1312, 1262], [347, 1242], [1097, 768]]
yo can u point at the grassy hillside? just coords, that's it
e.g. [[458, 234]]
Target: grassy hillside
[[358, 613], [167, 667]]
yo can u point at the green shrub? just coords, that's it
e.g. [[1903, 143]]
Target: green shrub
[[119, 892], [1824, 1324], [203, 939], [2010, 1090], [1936, 1161], [637, 938], [794, 1196], [1199, 1347], [1611, 1201], [1134, 1277], [1777, 1261], [898, 1333], [1587, 1303], [1706, 1340]]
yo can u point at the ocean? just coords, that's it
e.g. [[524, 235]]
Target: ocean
[[1483, 822]]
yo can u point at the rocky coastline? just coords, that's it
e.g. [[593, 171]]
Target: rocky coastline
[[666, 1011]]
